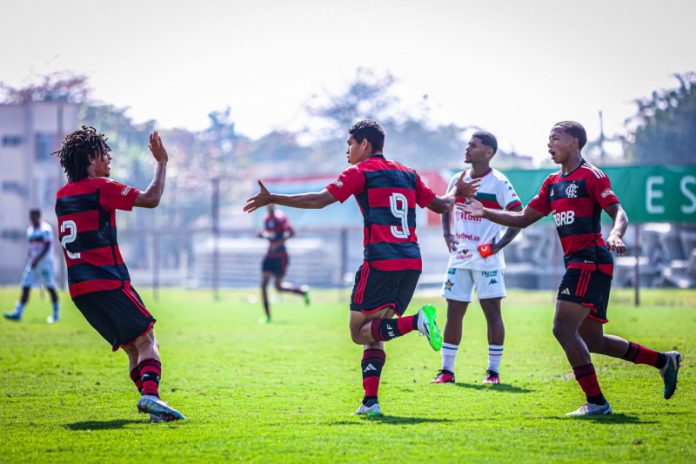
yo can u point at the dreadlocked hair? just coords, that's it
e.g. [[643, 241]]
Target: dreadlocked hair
[[79, 149]]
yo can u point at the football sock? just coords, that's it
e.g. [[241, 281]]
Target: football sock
[[372, 363], [135, 377], [495, 355], [150, 372], [19, 308], [587, 378], [387, 329], [449, 354], [639, 354]]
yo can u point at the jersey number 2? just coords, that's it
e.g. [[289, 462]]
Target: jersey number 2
[[69, 237], [399, 208]]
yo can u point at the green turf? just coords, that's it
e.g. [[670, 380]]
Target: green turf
[[284, 391]]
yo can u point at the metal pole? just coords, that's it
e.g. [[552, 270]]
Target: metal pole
[[636, 252], [344, 256], [62, 277], [216, 237]]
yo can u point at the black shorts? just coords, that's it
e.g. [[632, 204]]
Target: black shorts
[[588, 288], [276, 264], [375, 289], [118, 315]]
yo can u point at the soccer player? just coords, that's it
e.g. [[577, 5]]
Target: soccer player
[[576, 196], [476, 259], [39, 266], [277, 230], [387, 193], [99, 281]]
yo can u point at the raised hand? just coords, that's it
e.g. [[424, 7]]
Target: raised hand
[[473, 207], [259, 200], [157, 148], [466, 189], [616, 244]]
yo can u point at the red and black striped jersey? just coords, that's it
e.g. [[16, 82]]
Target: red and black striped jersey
[[576, 200], [276, 227], [86, 212], [387, 194]]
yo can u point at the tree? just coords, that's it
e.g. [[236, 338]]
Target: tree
[[55, 87], [664, 126]]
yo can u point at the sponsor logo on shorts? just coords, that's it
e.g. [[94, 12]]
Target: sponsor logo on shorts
[[489, 273], [452, 271], [492, 282], [565, 291], [448, 285]]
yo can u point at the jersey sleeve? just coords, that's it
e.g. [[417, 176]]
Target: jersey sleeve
[[424, 194], [600, 189], [115, 195], [506, 195], [48, 233], [541, 201], [350, 182]]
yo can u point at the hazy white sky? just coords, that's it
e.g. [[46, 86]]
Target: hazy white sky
[[512, 67]]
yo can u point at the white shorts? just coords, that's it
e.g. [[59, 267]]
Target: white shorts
[[43, 272], [459, 284]]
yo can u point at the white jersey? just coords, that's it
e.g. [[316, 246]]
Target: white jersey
[[37, 238], [494, 192]]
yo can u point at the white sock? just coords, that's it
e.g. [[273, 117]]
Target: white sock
[[495, 354], [449, 354]]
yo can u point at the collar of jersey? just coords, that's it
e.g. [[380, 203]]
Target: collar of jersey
[[376, 155], [563, 176], [471, 172]]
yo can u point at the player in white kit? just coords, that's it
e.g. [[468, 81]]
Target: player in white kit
[[476, 260], [39, 267]]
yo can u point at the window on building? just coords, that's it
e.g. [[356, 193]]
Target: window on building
[[11, 140], [44, 146]]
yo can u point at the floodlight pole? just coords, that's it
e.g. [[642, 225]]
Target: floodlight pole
[[216, 236], [636, 253]]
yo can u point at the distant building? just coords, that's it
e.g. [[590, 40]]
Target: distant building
[[29, 175]]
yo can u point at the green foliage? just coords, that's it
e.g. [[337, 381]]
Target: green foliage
[[665, 123], [283, 392], [54, 87]]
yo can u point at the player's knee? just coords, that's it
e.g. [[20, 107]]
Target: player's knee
[[562, 333]]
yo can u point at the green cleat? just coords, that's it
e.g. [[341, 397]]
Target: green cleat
[[428, 327], [305, 294]]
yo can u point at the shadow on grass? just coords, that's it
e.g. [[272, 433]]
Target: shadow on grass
[[391, 420], [607, 419], [102, 425], [501, 387]]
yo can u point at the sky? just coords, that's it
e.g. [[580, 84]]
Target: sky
[[511, 67]]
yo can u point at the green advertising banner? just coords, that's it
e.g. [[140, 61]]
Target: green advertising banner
[[647, 193]]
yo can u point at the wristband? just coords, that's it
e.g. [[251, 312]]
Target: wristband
[[485, 250]]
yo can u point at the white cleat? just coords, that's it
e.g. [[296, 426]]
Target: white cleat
[[590, 409], [156, 407], [371, 411], [52, 320]]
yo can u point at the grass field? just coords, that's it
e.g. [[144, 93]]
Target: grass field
[[284, 391]]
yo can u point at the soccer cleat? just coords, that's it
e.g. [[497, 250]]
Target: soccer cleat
[[52, 319], [491, 378], [305, 294], [428, 327], [591, 409], [264, 320], [670, 371], [154, 406], [368, 411], [13, 316], [443, 376]]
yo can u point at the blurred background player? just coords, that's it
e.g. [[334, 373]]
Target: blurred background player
[[277, 230], [39, 267], [476, 259], [387, 193], [99, 281], [576, 196]]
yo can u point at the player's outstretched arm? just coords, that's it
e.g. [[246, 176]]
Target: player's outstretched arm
[[316, 200], [519, 219], [150, 197], [462, 189], [615, 238]]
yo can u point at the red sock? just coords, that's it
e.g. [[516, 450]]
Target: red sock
[[406, 324], [587, 378], [372, 362], [641, 355], [387, 329], [150, 373], [135, 377]]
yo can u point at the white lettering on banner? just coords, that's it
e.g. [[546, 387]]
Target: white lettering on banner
[[564, 218], [652, 194], [691, 208]]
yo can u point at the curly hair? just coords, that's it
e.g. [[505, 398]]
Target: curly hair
[[79, 149], [370, 130]]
